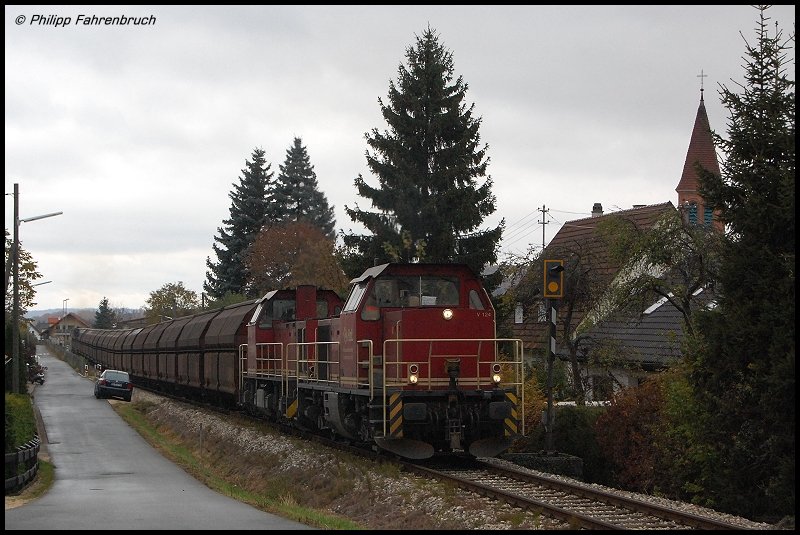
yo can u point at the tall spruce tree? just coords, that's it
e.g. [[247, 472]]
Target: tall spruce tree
[[743, 359], [431, 196], [296, 195], [105, 317], [248, 212]]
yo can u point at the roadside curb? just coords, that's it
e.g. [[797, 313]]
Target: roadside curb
[[41, 430]]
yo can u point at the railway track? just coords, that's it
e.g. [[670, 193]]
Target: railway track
[[579, 505]]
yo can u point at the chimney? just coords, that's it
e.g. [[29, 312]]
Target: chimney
[[597, 210]]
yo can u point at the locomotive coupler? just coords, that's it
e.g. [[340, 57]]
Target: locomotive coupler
[[454, 424], [453, 367]]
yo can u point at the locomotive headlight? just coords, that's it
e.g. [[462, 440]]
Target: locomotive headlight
[[496, 373], [413, 370], [447, 313]]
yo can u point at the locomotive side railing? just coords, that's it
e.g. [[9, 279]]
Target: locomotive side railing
[[268, 364], [308, 361], [369, 364]]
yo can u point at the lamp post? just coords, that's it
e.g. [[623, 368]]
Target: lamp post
[[15, 386]]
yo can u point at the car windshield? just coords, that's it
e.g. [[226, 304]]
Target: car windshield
[[116, 376]]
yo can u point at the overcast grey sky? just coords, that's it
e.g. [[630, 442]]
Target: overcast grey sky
[[139, 133]]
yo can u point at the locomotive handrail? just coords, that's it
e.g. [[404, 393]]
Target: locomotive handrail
[[370, 367], [516, 362], [309, 377], [270, 366], [242, 367]]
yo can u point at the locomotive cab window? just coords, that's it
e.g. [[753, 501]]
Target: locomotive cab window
[[406, 292], [355, 297], [276, 309], [438, 291], [416, 291], [475, 301]]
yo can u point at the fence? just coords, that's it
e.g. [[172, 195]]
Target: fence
[[24, 462]]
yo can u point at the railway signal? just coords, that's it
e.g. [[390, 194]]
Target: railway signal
[[553, 279]]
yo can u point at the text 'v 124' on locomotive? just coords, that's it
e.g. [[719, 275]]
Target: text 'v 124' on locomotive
[[409, 362]]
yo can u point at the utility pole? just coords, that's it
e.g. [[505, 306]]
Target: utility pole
[[543, 222], [15, 331], [15, 386]]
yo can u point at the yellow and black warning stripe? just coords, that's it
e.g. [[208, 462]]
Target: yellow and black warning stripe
[[511, 423], [395, 416], [291, 410]]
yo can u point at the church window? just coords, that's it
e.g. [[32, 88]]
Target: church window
[[693, 213], [707, 216]]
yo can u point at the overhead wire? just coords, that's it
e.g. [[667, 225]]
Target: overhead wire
[[518, 230]]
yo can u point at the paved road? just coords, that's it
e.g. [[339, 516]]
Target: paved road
[[107, 477]]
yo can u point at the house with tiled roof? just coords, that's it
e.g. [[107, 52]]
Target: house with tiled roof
[[641, 342], [60, 329]]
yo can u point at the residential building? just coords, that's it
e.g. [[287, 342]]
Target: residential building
[[60, 329]]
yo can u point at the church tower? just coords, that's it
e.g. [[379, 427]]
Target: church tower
[[701, 150]]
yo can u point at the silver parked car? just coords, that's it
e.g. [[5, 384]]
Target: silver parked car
[[113, 383]]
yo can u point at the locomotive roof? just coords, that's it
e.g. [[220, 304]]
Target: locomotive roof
[[415, 268]]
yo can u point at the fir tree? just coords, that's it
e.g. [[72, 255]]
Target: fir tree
[[296, 194], [105, 317], [248, 212], [433, 192], [743, 359]]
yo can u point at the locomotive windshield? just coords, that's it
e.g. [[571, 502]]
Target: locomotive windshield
[[415, 291]]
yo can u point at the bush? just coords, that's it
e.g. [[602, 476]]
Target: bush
[[573, 434], [627, 435], [20, 421]]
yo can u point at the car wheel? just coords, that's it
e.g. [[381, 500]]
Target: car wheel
[[128, 397]]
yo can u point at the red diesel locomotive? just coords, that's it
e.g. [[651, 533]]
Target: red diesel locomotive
[[409, 362]]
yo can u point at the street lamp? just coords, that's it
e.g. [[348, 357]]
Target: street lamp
[[15, 386], [65, 308]]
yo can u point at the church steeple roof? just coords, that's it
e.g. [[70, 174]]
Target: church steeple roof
[[701, 149]]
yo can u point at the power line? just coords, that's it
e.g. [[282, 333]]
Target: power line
[[524, 230], [543, 222]]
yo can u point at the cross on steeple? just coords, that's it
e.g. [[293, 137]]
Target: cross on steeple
[[701, 76]]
